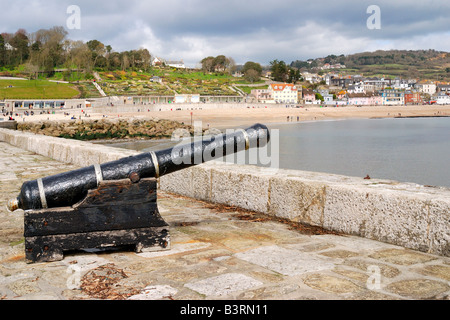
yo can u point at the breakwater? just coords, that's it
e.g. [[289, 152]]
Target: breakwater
[[104, 128], [410, 215]]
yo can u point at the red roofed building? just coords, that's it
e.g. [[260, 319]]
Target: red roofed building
[[284, 93], [413, 98]]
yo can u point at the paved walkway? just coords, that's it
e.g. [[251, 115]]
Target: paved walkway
[[217, 253]]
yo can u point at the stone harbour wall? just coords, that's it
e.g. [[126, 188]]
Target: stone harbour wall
[[8, 124], [75, 152], [405, 214], [410, 215]]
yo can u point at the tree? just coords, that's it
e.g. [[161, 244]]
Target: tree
[[279, 71], [2, 51], [80, 57], [252, 75], [20, 43], [252, 65], [208, 64], [294, 75], [220, 63], [7, 57], [51, 51], [231, 65], [145, 60], [108, 56], [114, 60], [97, 49], [31, 69], [125, 61]]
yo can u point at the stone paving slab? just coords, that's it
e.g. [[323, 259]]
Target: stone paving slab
[[217, 253]]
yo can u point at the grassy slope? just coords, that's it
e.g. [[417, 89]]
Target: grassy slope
[[179, 81], [406, 64], [36, 89]]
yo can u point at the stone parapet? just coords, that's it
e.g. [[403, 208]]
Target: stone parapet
[[67, 151], [8, 124], [405, 214]]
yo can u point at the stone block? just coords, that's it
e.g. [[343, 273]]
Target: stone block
[[345, 210], [201, 182], [385, 215], [223, 285], [178, 182], [288, 262], [296, 199], [240, 186], [439, 227]]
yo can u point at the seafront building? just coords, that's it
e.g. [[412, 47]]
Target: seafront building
[[364, 99], [14, 104], [284, 93], [413, 97], [392, 97], [442, 98]]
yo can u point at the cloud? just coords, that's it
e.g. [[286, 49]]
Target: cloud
[[251, 30]]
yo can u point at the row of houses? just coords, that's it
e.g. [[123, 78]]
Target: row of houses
[[360, 84], [292, 94]]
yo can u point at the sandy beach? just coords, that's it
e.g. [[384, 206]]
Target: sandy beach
[[232, 118]]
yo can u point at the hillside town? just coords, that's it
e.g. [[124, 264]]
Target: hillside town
[[92, 73], [336, 90]]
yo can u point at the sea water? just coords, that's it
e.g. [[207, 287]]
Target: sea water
[[413, 150], [408, 150]]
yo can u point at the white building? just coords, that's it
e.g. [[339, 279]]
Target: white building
[[9, 47], [176, 64], [157, 61], [328, 98], [400, 84], [284, 93], [442, 98], [356, 88], [328, 78], [187, 98], [427, 87], [375, 84], [311, 77]]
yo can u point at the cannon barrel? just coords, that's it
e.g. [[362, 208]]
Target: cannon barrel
[[67, 189]]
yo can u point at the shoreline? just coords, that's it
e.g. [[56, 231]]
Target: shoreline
[[232, 118]]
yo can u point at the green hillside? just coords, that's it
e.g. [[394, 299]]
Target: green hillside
[[423, 64], [173, 81], [36, 89]]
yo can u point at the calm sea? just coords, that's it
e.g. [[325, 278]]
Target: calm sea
[[408, 150]]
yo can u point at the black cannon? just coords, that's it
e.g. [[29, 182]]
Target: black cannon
[[114, 204]]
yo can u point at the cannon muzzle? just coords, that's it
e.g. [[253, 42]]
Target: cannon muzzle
[[67, 189]]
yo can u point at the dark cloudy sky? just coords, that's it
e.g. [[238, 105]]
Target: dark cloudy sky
[[246, 30]]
